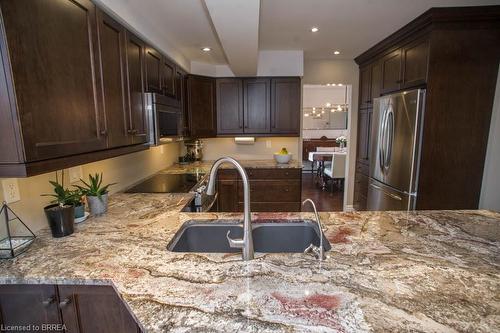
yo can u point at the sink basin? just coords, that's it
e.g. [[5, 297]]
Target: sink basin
[[269, 236]]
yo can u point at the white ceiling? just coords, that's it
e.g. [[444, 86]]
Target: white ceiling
[[350, 26]]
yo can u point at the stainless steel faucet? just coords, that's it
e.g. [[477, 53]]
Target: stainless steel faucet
[[318, 252], [247, 242]]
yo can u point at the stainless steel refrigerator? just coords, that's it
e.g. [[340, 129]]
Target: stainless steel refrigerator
[[395, 150]]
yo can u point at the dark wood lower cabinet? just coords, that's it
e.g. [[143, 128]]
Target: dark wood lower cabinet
[[64, 308], [360, 191], [25, 307], [271, 190]]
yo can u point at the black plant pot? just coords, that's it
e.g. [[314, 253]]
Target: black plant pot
[[61, 219]]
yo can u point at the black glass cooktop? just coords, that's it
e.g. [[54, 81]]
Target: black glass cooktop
[[167, 183]]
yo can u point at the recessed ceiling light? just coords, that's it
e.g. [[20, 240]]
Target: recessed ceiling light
[[206, 49], [328, 104], [328, 84], [314, 29], [340, 84], [333, 84], [336, 52]]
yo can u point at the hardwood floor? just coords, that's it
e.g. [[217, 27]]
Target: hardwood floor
[[325, 201]]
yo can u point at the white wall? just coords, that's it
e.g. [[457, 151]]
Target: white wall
[[347, 72], [280, 63], [490, 191], [124, 170], [264, 148], [270, 63]]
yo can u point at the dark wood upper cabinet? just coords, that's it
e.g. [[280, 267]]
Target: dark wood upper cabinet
[[376, 81], [391, 71], [201, 106], [137, 127], [285, 106], [153, 70], [229, 106], [168, 77], [415, 63], [23, 305], [257, 105], [54, 67], [94, 309], [113, 75], [364, 87]]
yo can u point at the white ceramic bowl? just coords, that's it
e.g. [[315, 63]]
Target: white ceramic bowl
[[282, 159]]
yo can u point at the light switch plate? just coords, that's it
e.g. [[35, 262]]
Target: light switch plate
[[268, 144], [11, 190], [75, 174]]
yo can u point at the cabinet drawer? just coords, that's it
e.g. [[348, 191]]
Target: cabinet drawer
[[362, 168], [266, 174], [272, 206], [261, 174], [272, 191]]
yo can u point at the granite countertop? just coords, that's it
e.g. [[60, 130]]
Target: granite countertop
[[204, 166], [387, 272]]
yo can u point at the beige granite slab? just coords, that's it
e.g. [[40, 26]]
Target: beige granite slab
[[204, 166], [387, 272]]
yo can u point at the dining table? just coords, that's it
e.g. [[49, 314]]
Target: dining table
[[320, 157]]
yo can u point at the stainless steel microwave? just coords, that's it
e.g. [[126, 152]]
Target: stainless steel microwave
[[165, 119]]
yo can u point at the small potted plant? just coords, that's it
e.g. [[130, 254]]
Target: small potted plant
[[61, 212], [77, 200], [342, 141], [97, 195]]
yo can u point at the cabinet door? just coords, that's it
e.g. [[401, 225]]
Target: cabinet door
[[227, 200], [229, 106], [154, 65], [376, 81], [22, 305], [415, 63], [285, 107], [360, 191], [391, 71], [363, 144], [94, 309], [201, 106], [257, 106], [56, 76], [111, 40], [168, 77], [365, 99], [137, 124]]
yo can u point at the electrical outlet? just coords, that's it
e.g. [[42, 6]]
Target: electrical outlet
[[11, 190], [75, 174], [162, 150], [268, 144]]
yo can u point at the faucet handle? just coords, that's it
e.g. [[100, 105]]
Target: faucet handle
[[235, 243], [318, 252]]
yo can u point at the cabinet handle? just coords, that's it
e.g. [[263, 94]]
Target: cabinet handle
[[65, 302], [132, 131], [104, 132], [48, 301], [287, 189]]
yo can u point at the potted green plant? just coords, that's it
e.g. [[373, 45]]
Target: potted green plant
[[76, 198], [61, 212], [96, 193]]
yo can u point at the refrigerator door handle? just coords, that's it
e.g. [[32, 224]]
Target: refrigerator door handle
[[382, 141], [389, 139]]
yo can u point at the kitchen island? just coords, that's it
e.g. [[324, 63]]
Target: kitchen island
[[387, 272]]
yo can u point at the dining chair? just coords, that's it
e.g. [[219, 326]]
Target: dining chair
[[335, 170]]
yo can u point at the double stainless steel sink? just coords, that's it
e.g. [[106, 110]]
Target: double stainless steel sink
[[269, 236]]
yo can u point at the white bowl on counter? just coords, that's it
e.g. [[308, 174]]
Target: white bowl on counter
[[282, 159]]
